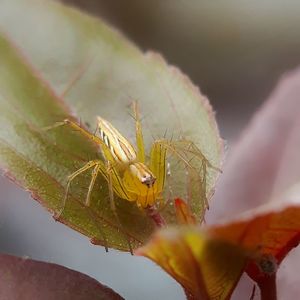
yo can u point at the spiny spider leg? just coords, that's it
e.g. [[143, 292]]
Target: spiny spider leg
[[138, 133], [112, 201], [99, 166], [77, 128], [92, 183], [161, 147], [71, 177]]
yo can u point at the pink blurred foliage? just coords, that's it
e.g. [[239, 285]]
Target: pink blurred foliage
[[262, 167]]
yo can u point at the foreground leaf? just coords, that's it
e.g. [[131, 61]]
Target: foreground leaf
[[268, 234], [206, 268], [270, 231], [99, 72], [23, 278], [202, 261]]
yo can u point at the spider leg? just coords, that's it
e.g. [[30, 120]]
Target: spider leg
[[96, 129], [98, 164], [198, 175], [77, 76], [109, 172], [105, 150], [111, 178], [112, 201], [77, 128], [158, 164], [195, 163], [192, 148], [71, 177], [92, 183], [158, 167], [163, 203], [138, 133]]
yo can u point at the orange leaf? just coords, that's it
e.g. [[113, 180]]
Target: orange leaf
[[208, 263], [206, 268], [268, 233], [184, 214]]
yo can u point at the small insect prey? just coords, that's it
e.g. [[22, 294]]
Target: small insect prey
[[129, 174]]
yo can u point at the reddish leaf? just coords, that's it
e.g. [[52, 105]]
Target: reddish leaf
[[202, 261], [267, 233], [27, 279]]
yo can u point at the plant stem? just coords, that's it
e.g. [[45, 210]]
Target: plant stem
[[267, 285], [156, 216]]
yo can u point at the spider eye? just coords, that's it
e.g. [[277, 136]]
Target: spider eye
[[148, 180]]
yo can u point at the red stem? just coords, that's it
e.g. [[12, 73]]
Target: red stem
[[267, 285], [156, 216]]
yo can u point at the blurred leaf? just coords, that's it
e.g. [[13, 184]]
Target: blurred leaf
[[209, 262], [269, 232], [263, 167], [265, 162], [99, 72], [23, 278], [206, 268]]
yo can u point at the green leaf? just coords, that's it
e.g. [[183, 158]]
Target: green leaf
[[42, 165], [97, 72]]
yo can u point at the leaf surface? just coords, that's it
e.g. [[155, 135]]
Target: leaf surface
[[97, 72], [41, 165]]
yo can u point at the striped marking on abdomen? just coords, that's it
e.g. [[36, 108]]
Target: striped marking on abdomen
[[118, 145]]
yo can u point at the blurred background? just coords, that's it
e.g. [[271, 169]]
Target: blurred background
[[234, 50]]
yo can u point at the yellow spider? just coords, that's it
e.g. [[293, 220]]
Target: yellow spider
[[128, 173]]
